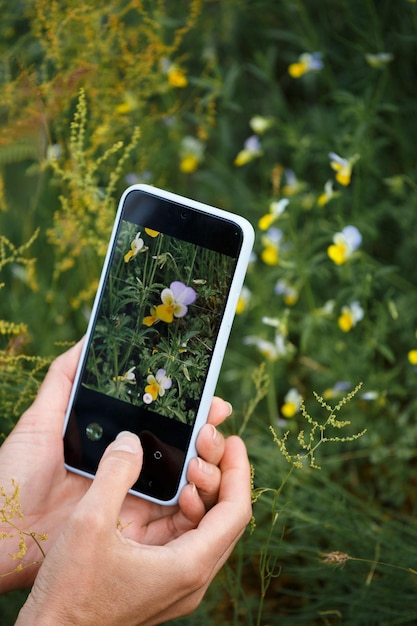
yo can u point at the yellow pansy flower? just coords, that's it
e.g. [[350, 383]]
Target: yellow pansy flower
[[177, 77], [127, 377], [307, 62], [379, 60], [191, 154], [251, 150], [292, 401], [175, 301], [157, 385], [151, 232], [270, 241], [276, 208], [244, 299], [259, 124], [350, 316], [412, 357], [328, 194], [289, 293], [342, 167], [344, 245], [136, 246]]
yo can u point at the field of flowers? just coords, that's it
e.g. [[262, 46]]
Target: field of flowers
[[300, 116]]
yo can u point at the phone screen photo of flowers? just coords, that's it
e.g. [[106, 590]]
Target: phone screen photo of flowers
[[157, 322]]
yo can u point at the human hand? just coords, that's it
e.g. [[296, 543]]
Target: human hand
[[95, 574], [33, 456]]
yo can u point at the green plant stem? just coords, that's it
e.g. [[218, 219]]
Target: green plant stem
[[272, 396], [268, 561], [30, 534]]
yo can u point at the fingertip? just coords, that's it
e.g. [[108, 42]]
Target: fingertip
[[191, 507], [126, 442], [118, 470], [210, 444], [219, 411]]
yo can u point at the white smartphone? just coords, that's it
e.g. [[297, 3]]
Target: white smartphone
[[157, 335]]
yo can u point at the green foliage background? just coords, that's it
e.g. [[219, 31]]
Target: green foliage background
[[88, 105]]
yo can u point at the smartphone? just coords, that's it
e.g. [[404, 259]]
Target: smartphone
[[157, 335]]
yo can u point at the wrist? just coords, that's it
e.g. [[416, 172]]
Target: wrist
[[42, 612]]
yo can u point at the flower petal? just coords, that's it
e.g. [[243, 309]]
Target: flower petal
[[182, 294]]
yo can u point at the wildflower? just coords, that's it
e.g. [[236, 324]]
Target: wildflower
[[53, 152], [275, 322], [280, 347], [251, 150], [271, 241], [260, 124], [129, 104], [272, 351], [380, 60], [328, 194], [344, 245], [327, 309], [244, 299], [337, 389], [350, 316], [177, 77], [412, 357], [151, 232], [369, 396], [276, 208], [175, 301], [292, 185], [175, 74], [191, 154], [128, 377], [342, 167], [291, 404], [307, 62], [290, 294], [152, 318], [11, 328], [157, 385], [136, 246]]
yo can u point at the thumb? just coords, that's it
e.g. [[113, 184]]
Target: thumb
[[119, 468]]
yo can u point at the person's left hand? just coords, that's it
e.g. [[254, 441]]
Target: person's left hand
[[33, 456]]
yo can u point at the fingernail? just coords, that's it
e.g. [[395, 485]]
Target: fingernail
[[127, 442], [229, 407], [204, 467], [215, 434]]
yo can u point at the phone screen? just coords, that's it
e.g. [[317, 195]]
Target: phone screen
[[151, 343]]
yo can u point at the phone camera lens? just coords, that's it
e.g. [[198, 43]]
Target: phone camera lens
[[185, 216]]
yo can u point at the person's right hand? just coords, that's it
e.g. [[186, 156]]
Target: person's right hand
[[95, 574]]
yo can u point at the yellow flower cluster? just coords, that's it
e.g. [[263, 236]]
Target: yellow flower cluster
[[11, 328]]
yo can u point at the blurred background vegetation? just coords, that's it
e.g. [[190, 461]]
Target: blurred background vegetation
[[299, 115]]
